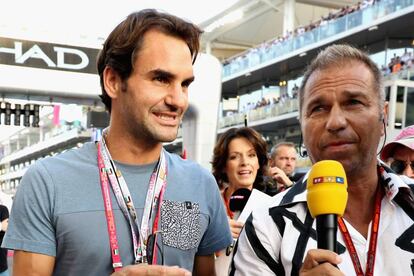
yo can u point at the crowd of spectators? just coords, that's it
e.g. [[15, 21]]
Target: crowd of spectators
[[272, 101], [398, 63], [254, 53]]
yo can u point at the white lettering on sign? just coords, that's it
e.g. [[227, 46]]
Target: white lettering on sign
[[35, 52], [61, 58]]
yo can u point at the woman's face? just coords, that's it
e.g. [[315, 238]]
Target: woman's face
[[402, 161], [242, 164]]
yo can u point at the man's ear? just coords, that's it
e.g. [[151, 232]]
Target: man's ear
[[112, 82]]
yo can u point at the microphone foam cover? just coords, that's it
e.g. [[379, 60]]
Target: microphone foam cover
[[327, 188], [239, 199]]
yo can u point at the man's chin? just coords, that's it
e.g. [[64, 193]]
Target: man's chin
[[167, 138]]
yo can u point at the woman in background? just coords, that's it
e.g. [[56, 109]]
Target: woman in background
[[239, 161], [399, 154]]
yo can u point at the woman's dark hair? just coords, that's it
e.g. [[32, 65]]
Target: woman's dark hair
[[124, 42], [221, 154]]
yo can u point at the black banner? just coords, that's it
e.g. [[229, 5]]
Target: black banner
[[47, 55]]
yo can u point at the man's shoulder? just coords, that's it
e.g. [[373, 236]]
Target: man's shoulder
[[292, 200], [84, 153], [64, 163]]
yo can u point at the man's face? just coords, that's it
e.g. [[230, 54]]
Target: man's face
[[340, 117], [285, 159], [156, 95]]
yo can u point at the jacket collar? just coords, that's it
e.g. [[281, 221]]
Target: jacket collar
[[391, 182]]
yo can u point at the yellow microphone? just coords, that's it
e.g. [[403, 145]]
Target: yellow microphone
[[327, 196]]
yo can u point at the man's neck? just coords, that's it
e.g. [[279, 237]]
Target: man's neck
[[361, 200], [124, 148]]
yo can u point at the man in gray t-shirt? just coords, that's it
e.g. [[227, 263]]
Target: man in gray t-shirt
[[124, 202]]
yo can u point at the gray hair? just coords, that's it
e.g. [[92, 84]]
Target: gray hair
[[336, 56], [273, 151]]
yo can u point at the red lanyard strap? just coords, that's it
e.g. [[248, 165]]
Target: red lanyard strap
[[156, 189], [369, 271], [113, 241]]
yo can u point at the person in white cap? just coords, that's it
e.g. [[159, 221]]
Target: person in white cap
[[399, 154]]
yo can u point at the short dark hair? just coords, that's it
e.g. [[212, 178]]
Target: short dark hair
[[221, 154], [124, 42], [338, 55]]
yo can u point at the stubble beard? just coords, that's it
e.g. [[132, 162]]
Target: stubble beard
[[154, 134]]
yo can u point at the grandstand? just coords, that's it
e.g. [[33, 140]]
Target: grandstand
[[259, 77]]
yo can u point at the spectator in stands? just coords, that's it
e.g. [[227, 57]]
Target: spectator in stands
[[405, 58], [399, 154], [396, 67], [341, 94], [125, 202], [239, 161], [295, 91], [282, 164], [4, 219], [301, 30], [410, 60]]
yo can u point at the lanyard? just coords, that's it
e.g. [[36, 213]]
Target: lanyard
[[227, 203], [369, 270], [152, 208]]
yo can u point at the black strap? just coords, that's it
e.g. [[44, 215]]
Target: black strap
[[261, 252], [279, 214], [301, 244], [296, 189]]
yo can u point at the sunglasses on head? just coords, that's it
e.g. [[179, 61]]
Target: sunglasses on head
[[399, 166]]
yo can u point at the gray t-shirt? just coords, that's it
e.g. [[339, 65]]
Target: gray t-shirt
[[58, 211]]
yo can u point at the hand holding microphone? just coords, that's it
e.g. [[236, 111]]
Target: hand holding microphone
[[327, 197], [237, 202]]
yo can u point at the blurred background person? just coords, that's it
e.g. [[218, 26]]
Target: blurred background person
[[281, 170], [399, 154], [4, 219], [239, 161]]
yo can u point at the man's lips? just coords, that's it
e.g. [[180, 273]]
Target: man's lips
[[167, 116], [337, 145]]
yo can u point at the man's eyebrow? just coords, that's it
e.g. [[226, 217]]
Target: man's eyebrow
[[189, 80], [354, 93], [168, 75], [162, 73]]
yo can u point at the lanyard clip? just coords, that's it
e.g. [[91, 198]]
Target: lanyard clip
[[230, 248], [141, 260]]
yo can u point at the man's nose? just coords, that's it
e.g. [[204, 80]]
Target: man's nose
[[177, 96], [336, 119]]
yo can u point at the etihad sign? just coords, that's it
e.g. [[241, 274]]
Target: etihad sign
[[47, 56]]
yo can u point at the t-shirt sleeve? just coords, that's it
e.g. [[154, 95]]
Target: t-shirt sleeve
[[31, 225], [217, 235]]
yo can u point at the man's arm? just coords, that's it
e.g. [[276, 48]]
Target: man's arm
[[204, 266], [151, 270], [280, 176], [32, 264]]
